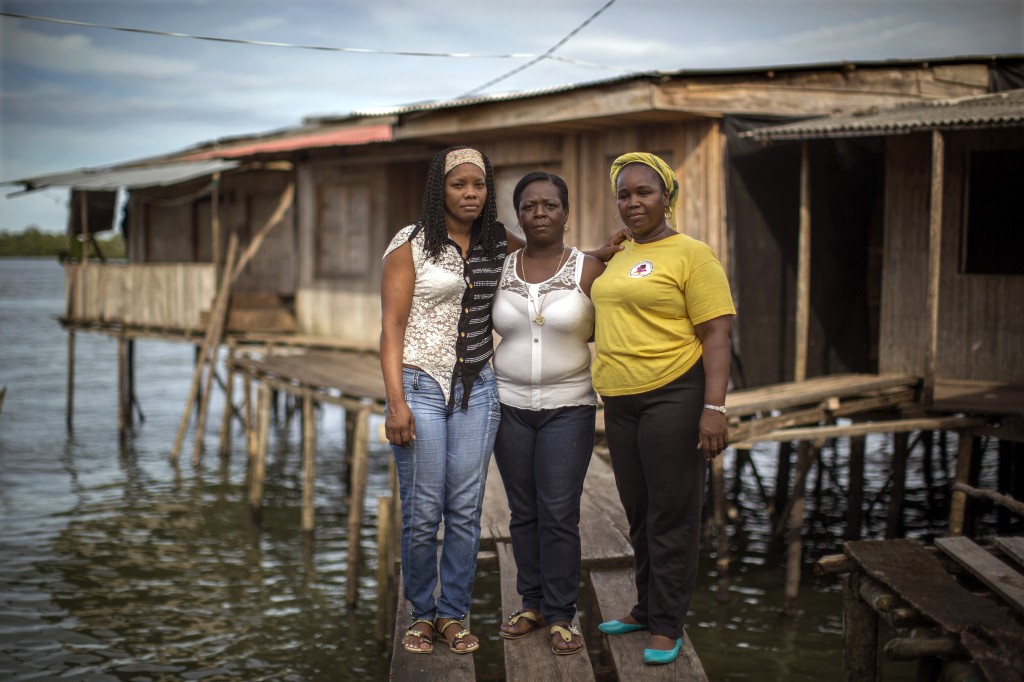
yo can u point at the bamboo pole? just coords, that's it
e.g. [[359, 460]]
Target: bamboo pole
[[308, 461], [247, 410], [1004, 501], [794, 554], [215, 228], [259, 460], [219, 310], [83, 204], [934, 265], [958, 504], [133, 400], [361, 451], [803, 277]]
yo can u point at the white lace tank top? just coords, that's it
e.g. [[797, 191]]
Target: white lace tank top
[[543, 366]]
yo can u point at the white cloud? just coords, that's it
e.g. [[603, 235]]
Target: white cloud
[[76, 54]]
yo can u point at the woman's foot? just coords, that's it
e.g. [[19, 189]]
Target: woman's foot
[[661, 643], [419, 638], [459, 639], [520, 623], [565, 639], [658, 654], [621, 626]]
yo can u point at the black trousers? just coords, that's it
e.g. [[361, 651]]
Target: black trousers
[[660, 475]]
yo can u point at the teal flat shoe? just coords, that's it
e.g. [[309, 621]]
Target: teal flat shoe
[[660, 656], [617, 627]]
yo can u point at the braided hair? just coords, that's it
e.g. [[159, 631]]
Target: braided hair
[[435, 232]]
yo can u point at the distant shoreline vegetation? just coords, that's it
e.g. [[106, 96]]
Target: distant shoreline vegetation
[[34, 242]]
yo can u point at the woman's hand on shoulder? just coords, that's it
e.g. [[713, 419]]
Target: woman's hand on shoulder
[[612, 246]]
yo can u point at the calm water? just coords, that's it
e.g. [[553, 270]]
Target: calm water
[[114, 565]]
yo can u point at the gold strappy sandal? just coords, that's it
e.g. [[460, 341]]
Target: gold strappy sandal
[[454, 642], [420, 636]]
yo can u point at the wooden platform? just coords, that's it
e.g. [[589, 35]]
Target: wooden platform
[[606, 555], [962, 606]]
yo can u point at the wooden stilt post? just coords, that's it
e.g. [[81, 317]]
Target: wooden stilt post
[[133, 400], [229, 408], [958, 505], [794, 553], [259, 461], [861, 659], [782, 474], [249, 411], [350, 437], [71, 381], [308, 461], [927, 468], [803, 276], [124, 405], [721, 535], [855, 494], [934, 265], [360, 454], [384, 560], [894, 525]]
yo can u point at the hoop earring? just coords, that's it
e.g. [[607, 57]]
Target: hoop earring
[[565, 227]]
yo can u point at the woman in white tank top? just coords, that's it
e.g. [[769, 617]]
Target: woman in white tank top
[[543, 313]]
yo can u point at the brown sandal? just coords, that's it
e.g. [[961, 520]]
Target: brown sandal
[[455, 641], [532, 618], [570, 636], [421, 636]]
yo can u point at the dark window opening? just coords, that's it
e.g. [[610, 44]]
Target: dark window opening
[[993, 228]]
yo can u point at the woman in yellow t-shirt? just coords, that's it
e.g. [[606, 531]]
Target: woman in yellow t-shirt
[[662, 334]]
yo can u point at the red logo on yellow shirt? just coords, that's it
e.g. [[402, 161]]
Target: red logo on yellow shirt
[[641, 269]]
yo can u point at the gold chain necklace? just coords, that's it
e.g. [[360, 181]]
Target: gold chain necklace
[[538, 304]]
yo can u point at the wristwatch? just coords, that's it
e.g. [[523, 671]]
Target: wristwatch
[[716, 408]]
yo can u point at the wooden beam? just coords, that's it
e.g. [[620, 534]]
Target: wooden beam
[[865, 428], [934, 265], [71, 381], [803, 269], [215, 227], [308, 461], [958, 503], [861, 662]]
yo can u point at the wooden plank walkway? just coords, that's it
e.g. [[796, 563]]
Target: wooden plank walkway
[[606, 554], [963, 622]]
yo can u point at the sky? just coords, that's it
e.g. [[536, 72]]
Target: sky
[[75, 96]]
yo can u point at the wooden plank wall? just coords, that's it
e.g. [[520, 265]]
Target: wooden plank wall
[[160, 296], [980, 322]]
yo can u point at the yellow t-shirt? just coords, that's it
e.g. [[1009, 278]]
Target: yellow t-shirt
[[647, 302]]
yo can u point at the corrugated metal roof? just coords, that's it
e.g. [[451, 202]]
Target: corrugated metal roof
[[353, 135], [658, 74], [982, 111], [112, 177]]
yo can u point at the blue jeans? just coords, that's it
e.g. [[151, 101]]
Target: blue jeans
[[543, 457], [441, 477]]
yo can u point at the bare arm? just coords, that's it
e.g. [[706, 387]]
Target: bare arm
[[592, 269], [513, 241], [715, 337], [398, 280]]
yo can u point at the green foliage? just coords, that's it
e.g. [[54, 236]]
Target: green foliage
[[34, 242]]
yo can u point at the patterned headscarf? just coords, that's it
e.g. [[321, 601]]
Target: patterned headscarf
[[663, 170], [458, 157]]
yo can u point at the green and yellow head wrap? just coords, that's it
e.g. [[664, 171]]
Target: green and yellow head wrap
[[663, 170]]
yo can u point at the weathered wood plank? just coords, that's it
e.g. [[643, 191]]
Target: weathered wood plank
[[530, 657], [441, 664], [616, 595], [604, 531], [1003, 579], [918, 578], [1013, 548], [813, 433]]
